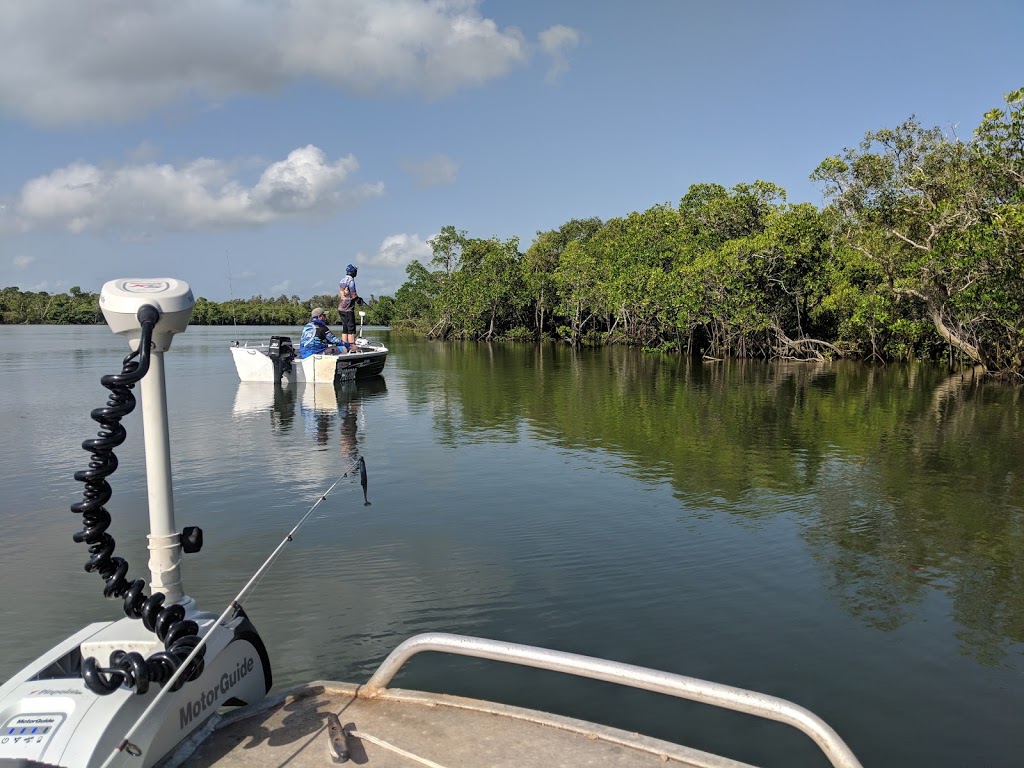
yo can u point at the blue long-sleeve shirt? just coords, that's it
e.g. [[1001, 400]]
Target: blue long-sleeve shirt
[[316, 337]]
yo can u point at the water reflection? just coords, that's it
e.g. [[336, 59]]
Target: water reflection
[[283, 413], [933, 507], [906, 483], [320, 408], [848, 537], [319, 405]]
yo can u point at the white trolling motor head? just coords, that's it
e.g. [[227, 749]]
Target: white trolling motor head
[[121, 300], [100, 697]]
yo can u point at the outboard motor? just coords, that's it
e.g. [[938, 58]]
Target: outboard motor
[[281, 353]]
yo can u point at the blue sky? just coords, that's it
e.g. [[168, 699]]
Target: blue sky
[[258, 146]]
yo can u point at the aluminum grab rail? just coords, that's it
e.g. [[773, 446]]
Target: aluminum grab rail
[[680, 686]]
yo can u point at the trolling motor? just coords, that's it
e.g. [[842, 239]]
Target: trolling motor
[[75, 705]]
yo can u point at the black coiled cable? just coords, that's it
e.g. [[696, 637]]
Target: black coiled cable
[[178, 635]]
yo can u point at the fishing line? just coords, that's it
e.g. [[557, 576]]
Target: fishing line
[[126, 744]]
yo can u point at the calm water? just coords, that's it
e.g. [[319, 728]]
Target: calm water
[[848, 538]]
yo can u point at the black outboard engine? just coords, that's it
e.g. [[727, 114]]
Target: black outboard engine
[[281, 353]]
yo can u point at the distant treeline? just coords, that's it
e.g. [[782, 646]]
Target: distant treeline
[[78, 307], [919, 253]]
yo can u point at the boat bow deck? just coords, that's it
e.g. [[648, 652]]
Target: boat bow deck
[[393, 727]]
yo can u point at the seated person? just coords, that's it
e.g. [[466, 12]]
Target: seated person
[[317, 339]]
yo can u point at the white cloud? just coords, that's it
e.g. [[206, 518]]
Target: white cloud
[[556, 42], [22, 261], [436, 170], [281, 289], [201, 195], [83, 61], [399, 250]]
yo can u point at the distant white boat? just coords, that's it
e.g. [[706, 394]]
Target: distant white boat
[[278, 362]]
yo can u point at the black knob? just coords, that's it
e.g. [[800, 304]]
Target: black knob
[[191, 538]]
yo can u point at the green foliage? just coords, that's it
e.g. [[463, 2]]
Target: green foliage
[[939, 223], [479, 291], [73, 308], [519, 333], [381, 311], [80, 308]]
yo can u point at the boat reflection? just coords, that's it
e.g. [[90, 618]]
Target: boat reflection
[[254, 398], [320, 406]]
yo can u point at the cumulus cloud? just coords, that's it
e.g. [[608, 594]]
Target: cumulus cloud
[[436, 170], [80, 61], [200, 195], [556, 42], [21, 261], [400, 250]]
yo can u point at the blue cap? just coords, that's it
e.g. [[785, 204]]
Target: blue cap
[[351, 269]]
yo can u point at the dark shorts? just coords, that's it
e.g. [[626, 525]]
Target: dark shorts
[[348, 321]]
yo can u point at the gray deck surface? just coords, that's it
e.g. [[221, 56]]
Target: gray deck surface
[[452, 732]]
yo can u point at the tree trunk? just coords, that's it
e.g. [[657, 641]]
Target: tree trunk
[[935, 312]]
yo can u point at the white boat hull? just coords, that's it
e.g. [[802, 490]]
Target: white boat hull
[[254, 363]]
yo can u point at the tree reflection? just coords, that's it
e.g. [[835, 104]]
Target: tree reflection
[[907, 481]]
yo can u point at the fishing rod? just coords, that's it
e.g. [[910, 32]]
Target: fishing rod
[[231, 290], [126, 745]]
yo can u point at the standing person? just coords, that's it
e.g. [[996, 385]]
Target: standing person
[[348, 297], [317, 339]]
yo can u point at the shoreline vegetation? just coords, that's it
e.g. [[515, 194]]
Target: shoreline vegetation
[[917, 254]]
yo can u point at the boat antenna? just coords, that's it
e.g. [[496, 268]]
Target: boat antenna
[[126, 744]]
